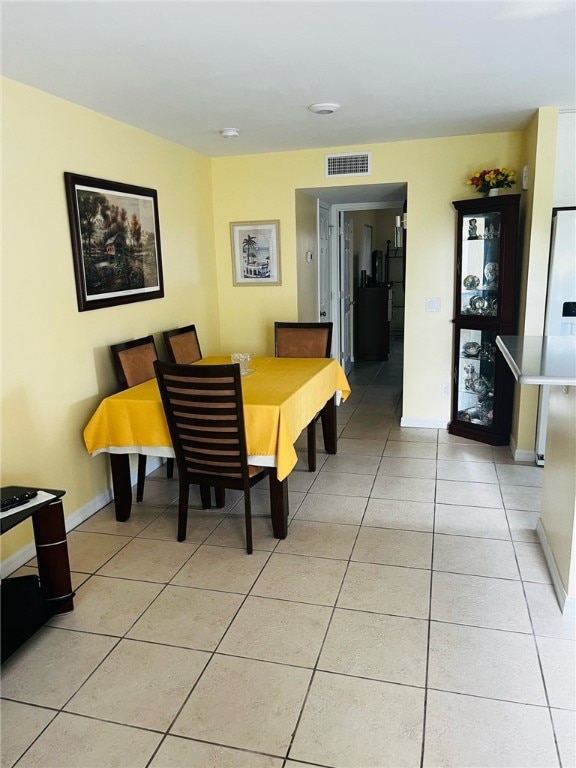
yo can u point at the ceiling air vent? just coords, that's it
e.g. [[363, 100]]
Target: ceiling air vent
[[354, 164]]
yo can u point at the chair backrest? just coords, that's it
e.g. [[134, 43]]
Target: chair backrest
[[203, 408], [182, 345], [303, 339], [134, 361]]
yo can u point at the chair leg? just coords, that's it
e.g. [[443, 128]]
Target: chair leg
[[248, 516], [184, 491], [141, 477], [311, 432], [220, 494], [169, 468], [205, 496]]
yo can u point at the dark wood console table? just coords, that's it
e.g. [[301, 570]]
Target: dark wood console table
[[51, 546]]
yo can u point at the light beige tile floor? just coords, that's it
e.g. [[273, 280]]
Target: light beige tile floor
[[407, 620]]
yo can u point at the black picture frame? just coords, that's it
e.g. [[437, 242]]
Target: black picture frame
[[115, 233]]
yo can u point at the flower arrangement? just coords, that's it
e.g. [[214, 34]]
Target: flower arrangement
[[497, 178]]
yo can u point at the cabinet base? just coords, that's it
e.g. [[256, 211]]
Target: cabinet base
[[23, 611], [474, 433]]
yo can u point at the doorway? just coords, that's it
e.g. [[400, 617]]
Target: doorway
[[351, 210]]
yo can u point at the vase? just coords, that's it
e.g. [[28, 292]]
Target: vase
[[494, 192]]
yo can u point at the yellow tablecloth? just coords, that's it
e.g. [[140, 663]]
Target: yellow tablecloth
[[281, 396]]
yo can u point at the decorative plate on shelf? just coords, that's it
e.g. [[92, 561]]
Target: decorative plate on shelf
[[471, 282], [471, 349], [478, 303]]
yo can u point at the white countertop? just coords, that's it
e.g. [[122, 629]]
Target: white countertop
[[544, 360]]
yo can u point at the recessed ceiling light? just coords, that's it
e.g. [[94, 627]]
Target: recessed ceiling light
[[324, 109], [230, 133]]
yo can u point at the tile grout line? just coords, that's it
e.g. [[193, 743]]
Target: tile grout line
[[429, 627]]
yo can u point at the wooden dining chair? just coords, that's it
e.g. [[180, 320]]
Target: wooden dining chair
[[182, 345], [134, 364], [205, 416], [304, 340]]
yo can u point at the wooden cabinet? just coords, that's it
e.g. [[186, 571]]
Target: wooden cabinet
[[485, 306], [373, 322]]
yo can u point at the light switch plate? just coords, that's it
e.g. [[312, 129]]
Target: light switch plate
[[433, 304]]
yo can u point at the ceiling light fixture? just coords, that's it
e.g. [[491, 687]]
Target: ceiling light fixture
[[324, 109], [230, 133]]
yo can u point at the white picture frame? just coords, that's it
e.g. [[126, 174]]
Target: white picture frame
[[255, 252]]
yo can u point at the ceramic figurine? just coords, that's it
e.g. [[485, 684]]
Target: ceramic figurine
[[473, 230]]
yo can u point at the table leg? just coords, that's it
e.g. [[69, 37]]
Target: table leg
[[328, 416], [279, 505], [52, 556], [120, 466]]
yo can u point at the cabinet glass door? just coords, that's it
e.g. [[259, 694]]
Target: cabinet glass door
[[475, 376], [480, 264]]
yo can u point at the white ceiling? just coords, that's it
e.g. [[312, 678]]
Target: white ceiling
[[401, 70]]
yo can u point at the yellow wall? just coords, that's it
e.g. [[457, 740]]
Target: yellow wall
[[539, 154], [55, 361], [263, 187], [307, 271]]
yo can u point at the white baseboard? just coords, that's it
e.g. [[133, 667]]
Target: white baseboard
[[525, 456], [27, 552], [18, 559], [423, 423], [517, 455], [567, 604]]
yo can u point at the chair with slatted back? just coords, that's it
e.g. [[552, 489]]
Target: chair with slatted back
[[134, 364], [182, 345], [205, 416], [304, 340]]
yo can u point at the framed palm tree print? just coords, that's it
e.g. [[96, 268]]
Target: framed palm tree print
[[255, 252]]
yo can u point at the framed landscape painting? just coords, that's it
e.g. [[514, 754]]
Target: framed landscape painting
[[255, 252], [115, 242]]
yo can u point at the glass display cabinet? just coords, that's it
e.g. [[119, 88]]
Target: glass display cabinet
[[485, 306]]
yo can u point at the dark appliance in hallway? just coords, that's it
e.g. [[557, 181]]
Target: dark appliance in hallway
[[373, 321]]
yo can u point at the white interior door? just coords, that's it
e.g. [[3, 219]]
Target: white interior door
[[346, 242], [325, 266]]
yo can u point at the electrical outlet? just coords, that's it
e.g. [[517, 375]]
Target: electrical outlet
[[445, 390]]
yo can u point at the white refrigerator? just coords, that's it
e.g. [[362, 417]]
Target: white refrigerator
[[560, 302]]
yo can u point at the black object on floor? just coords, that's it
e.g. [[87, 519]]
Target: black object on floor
[[23, 611]]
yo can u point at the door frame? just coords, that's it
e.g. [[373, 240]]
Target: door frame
[[345, 310], [335, 210], [321, 205]]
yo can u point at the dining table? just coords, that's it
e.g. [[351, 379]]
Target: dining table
[[280, 395]]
